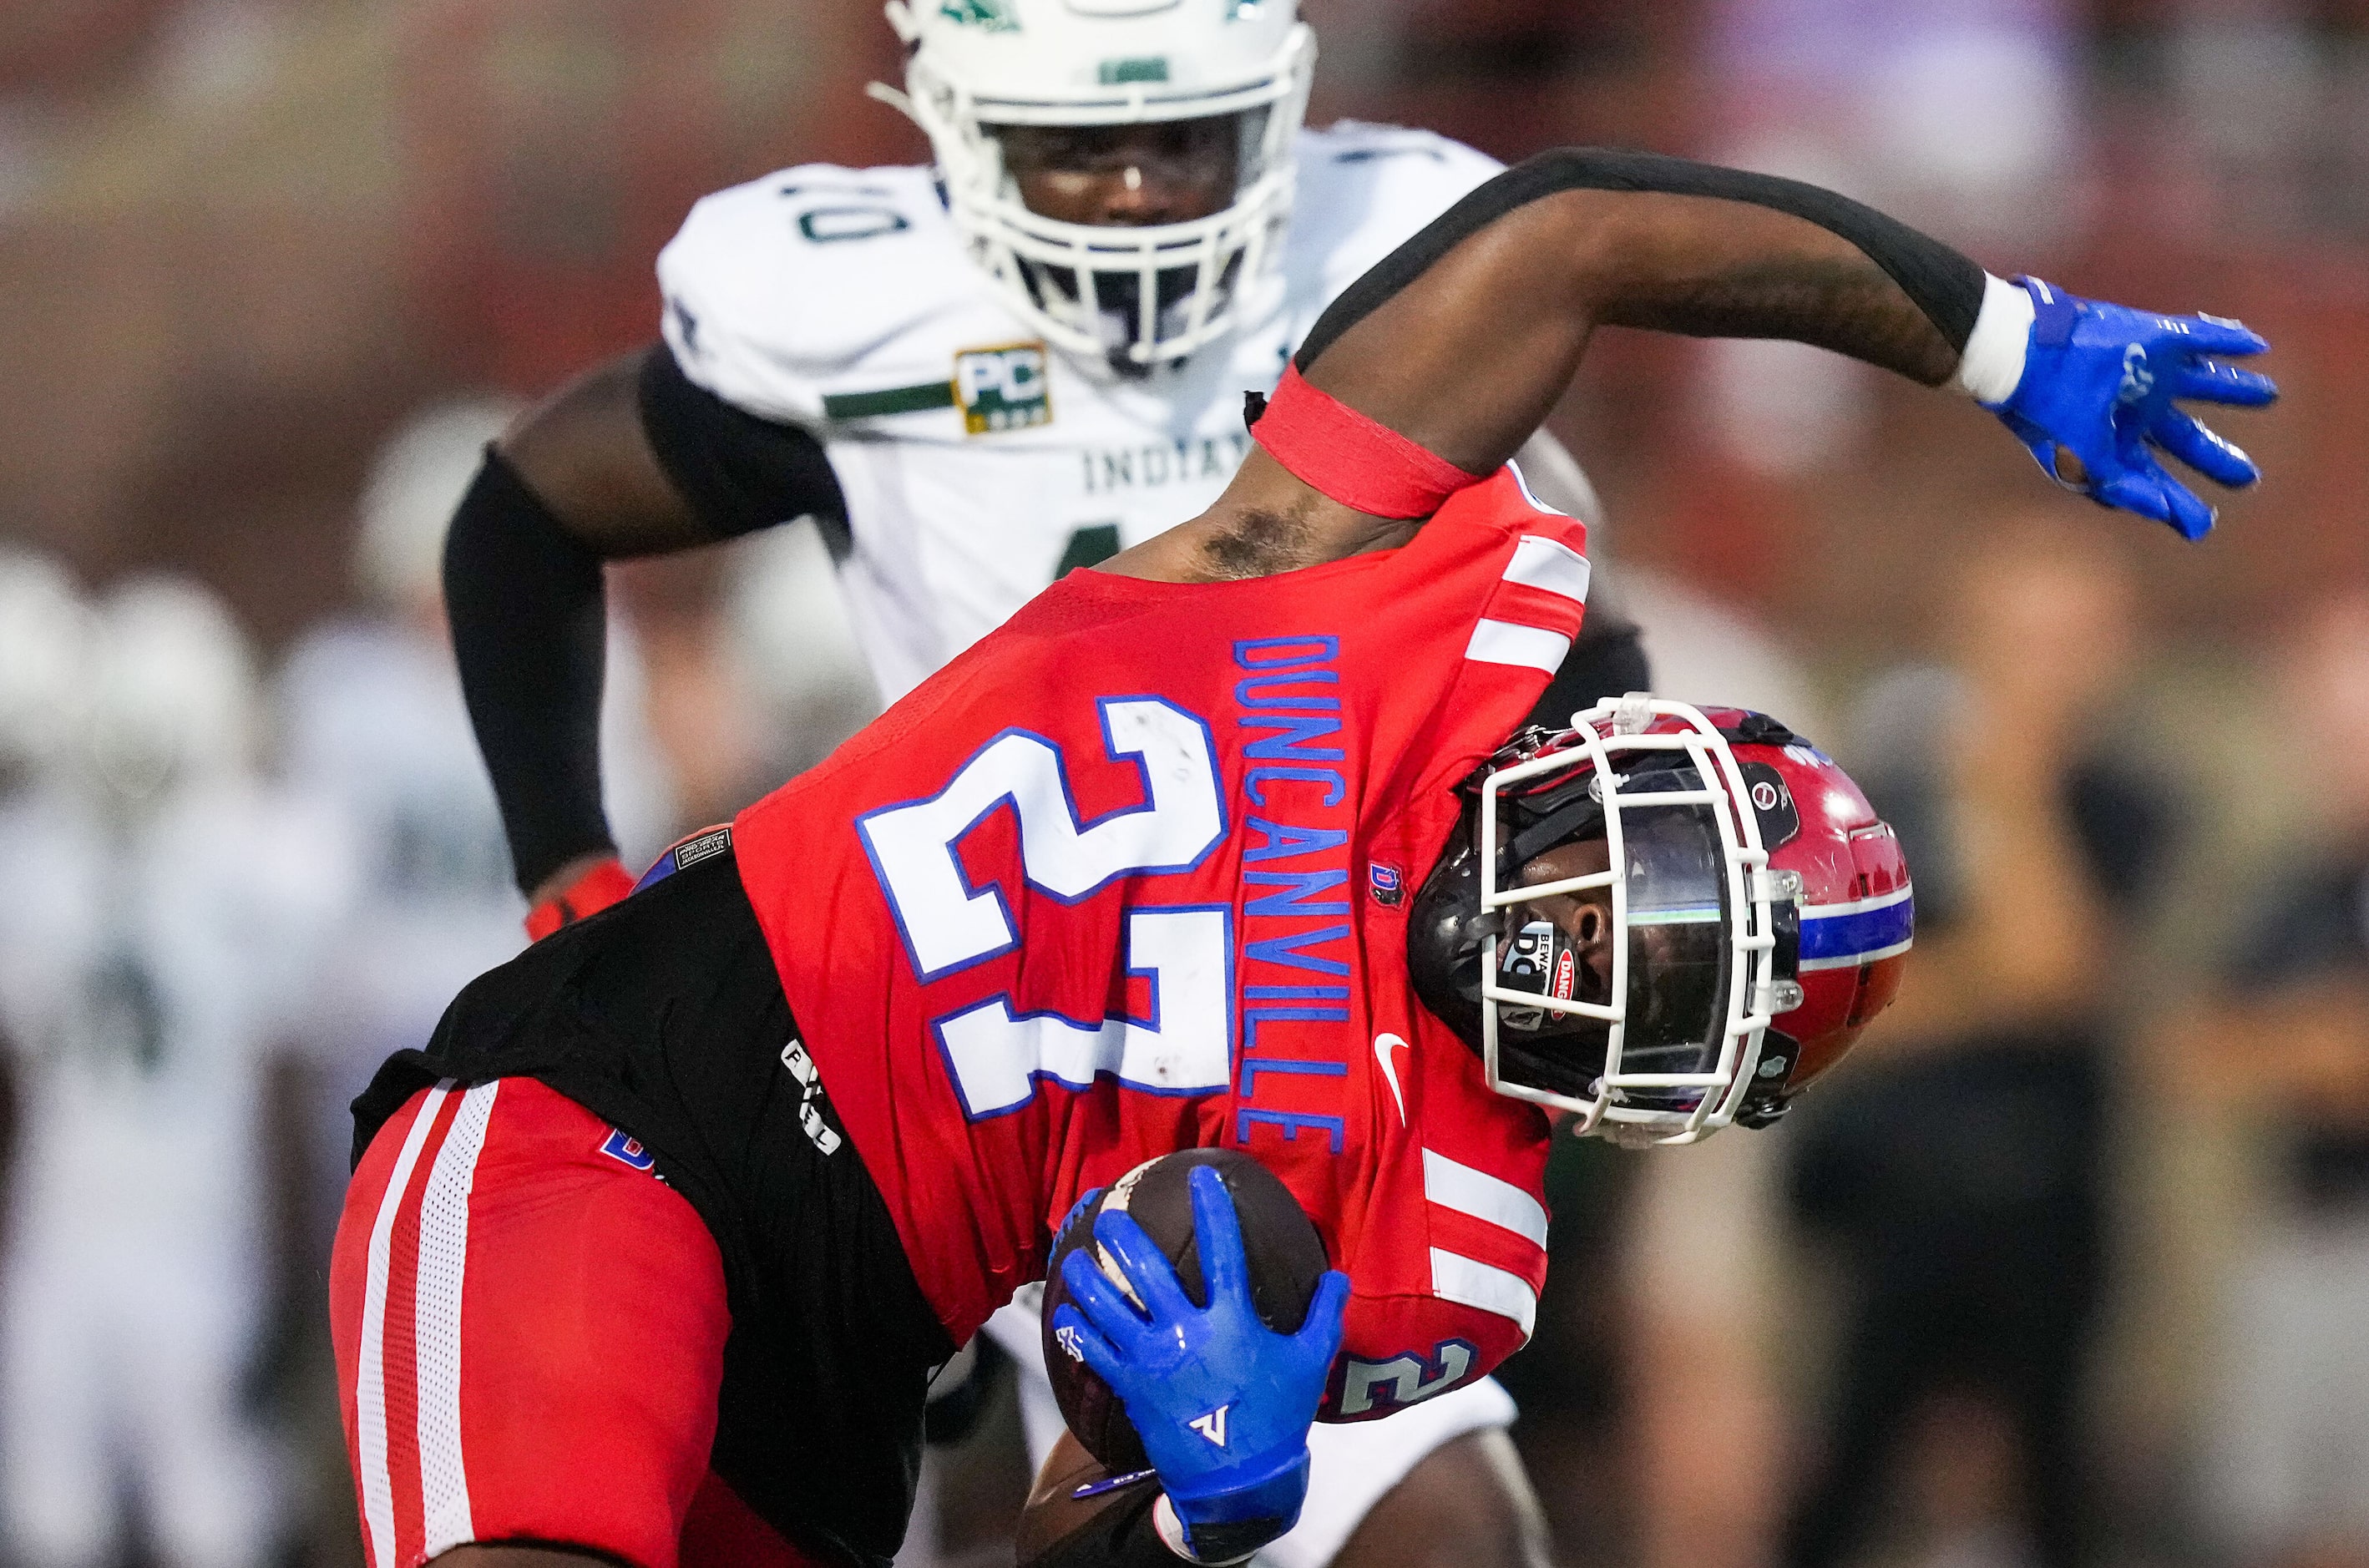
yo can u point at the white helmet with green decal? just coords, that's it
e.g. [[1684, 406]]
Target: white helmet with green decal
[[1005, 86]]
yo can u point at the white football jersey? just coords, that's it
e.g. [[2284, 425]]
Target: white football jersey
[[170, 955], [978, 465], [175, 955]]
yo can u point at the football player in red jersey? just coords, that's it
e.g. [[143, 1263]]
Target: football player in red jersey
[[649, 1257]]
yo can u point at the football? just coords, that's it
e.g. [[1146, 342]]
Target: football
[[1280, 1243]]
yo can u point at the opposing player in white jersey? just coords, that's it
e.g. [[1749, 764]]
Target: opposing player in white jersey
[[45, 669], [976, 376], [170, 908]]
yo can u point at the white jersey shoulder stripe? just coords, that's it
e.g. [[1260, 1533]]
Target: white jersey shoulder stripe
[[1551, 565], [1469, 1282], [1504, 642], [1483, 1196]]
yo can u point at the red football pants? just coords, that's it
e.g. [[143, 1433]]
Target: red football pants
[[529, 1333]]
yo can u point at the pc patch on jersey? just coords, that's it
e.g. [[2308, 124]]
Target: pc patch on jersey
[[1003, 388]]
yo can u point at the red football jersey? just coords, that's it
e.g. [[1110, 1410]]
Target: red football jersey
[[1131, 875]]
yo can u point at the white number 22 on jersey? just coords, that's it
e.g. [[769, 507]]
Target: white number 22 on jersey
[[995, 1053]]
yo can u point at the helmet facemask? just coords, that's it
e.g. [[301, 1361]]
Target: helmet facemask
[[1604, 930], [1157, 288]]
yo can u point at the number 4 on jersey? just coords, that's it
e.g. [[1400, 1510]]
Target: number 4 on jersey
[[997, 1052]]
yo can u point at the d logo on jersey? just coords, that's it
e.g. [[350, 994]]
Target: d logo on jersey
[[627, 1151], [1003, 388]]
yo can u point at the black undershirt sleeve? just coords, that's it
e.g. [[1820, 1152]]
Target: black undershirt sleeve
[[1944, 284], [529, 627], [736, 471], [529, 612]]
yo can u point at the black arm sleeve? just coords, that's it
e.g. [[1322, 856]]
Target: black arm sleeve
[[1945, 285], [529, 624], [737, 473]]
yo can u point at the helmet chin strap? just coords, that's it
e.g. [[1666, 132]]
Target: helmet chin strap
[[894, 97]]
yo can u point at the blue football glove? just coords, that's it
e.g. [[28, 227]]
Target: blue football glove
[[2099, 388], [1221, 1402]]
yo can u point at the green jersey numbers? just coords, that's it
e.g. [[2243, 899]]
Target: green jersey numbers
[[833, 214]]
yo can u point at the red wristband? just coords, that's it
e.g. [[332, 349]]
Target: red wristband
[[605, 884], [1357, 461]]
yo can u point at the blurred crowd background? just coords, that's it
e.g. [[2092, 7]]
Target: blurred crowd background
[[2070, 1266]]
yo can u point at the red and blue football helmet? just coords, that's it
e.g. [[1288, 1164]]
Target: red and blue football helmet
[[1664, 919]]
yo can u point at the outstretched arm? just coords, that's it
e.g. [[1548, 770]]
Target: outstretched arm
[[1463, 340], [629, 460]]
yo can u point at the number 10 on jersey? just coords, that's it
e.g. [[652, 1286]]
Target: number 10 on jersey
[[995, 1051]]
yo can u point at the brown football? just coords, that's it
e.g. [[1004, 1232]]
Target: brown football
[[1280, 1244]]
